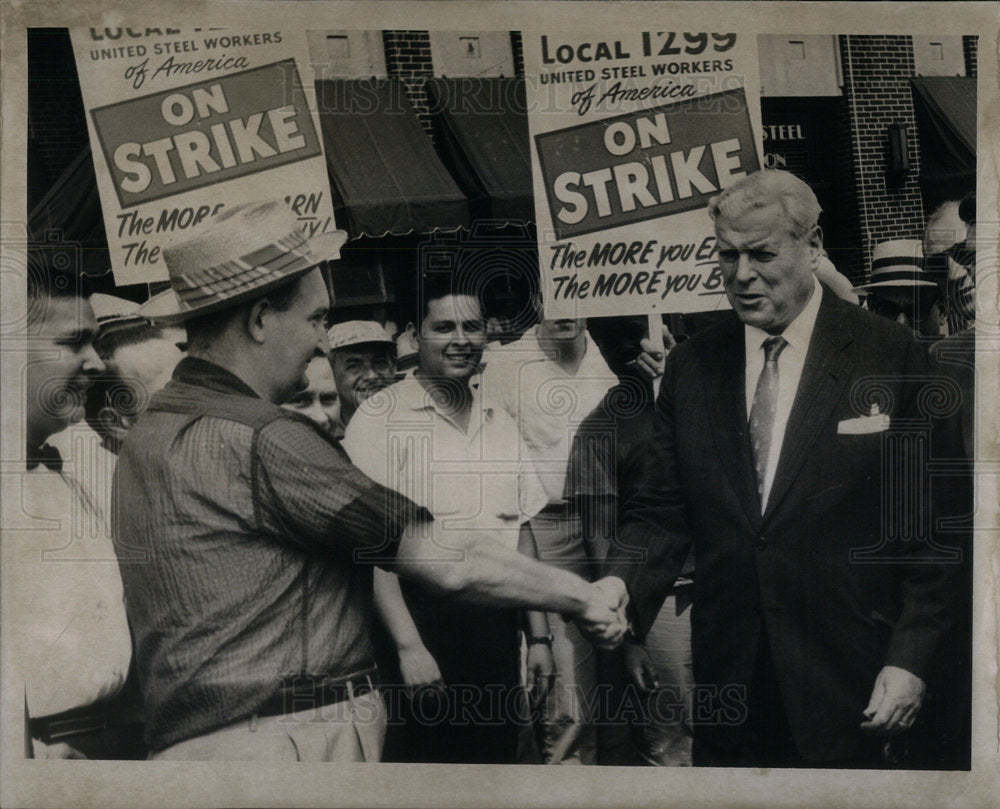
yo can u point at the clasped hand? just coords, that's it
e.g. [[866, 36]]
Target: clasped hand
[[603, 622]]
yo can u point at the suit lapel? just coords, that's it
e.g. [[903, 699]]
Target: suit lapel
[[725, 389], [826, 372]]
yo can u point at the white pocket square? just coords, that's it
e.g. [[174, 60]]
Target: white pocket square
[[864, 425]]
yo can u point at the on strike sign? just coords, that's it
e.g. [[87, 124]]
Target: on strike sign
[[183, 124], [631, 137], [200, 134], [641, 166]]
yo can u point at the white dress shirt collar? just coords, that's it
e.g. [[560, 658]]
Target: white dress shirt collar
[[797, 333]]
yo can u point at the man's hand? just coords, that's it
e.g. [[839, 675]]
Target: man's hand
[[616, 593], [418, 667], [639, 668], [541, 670], [603, 622], [650, 360], [895, 701]]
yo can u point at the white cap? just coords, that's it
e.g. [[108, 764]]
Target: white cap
[[357, 332], [111, 310], [163, 305]]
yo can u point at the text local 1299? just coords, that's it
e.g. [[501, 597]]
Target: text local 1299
[[234, 142], [675, 175]]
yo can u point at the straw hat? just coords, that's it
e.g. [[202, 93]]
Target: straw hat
[[240, 254], [897, 263], [357, 332]]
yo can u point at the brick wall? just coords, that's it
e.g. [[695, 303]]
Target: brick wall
[[877, 73], [56, 120], [408, 57], [851, 258], [971, 47]]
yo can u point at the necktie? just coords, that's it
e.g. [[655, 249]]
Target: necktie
[[765, 403]]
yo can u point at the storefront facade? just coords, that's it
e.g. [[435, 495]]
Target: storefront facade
[[427, 131]]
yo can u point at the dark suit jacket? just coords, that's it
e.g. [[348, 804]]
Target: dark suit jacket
[[827, 570]]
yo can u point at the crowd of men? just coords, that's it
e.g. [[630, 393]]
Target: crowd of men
[[507, 553]]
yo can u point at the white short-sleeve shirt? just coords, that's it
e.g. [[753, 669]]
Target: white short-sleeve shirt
[[65, 596], [547, 402], [480, 479]]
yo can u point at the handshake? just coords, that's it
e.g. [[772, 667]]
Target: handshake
[[603, 621]]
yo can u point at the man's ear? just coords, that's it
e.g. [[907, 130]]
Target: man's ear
[[412, 336], [256, 319], [815, 239]]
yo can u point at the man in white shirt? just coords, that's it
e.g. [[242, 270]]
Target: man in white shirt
[[433, 438], [70, 634], [549, 381]]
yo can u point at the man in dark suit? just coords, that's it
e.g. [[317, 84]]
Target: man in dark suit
[[790, 447]]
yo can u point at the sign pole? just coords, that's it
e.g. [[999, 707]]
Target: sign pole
[[654, 327]]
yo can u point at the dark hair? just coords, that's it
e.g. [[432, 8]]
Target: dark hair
[[435, 285], [967, 209], [618, 339]]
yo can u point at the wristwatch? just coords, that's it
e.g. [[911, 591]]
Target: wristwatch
[[533, 639]]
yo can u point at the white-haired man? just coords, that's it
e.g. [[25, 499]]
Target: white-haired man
[[782, 440]]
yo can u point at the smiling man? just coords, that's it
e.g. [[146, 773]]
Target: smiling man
[[62, 361], [779, 439], [251, 607], [363, 360], [434, 438], [74, 645]]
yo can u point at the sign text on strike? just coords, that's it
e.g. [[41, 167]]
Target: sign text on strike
[[205, 133], [235, 141], [615, 171]]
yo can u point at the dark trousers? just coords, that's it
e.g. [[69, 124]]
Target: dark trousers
[[767, 738], [477, 717]]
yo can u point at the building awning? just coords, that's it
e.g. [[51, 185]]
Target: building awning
[[946, 118], [385, 175], [70, 213], [484, 126]]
